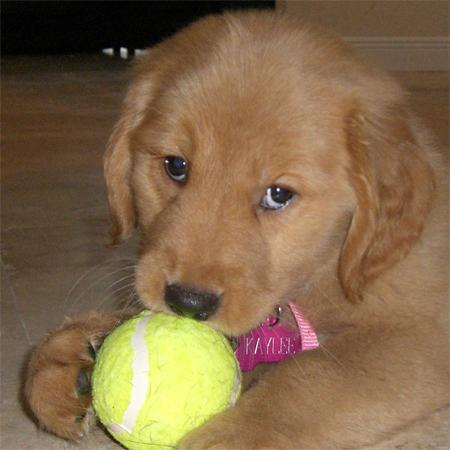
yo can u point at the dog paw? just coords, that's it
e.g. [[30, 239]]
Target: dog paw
[[58, 379]]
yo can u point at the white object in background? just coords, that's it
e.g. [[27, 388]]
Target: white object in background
[[123, 52], [140, 52]]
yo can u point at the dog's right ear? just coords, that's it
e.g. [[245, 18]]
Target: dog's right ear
[[394, 186], [117, 161]]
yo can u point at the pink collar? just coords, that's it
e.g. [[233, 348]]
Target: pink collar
[[273, 341]]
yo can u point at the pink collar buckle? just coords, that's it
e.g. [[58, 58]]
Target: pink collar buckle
[[273, 341]]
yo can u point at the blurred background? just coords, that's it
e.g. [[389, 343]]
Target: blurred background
[[42, 27], [402, 35], [64, 72]]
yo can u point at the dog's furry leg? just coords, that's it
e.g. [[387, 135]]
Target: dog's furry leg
[[57, 385], [376, 381]]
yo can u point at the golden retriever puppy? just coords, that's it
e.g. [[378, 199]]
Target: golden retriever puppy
[[264, 163]]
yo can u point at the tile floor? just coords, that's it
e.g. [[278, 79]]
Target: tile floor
[[57, 113]]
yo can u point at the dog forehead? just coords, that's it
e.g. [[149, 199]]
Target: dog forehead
[[277, 128], [254, 106]]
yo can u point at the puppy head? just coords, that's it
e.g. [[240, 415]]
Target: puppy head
[[241, 159]]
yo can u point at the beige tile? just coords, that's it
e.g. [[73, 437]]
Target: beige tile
[[57, 115]]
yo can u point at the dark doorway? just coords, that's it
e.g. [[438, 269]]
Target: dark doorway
[[39, 27]]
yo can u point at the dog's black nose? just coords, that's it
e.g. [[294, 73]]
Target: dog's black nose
[[189, 302]]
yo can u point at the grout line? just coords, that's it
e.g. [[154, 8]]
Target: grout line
[[15, 302]]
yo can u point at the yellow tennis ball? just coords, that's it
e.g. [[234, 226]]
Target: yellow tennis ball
[[159, 376]]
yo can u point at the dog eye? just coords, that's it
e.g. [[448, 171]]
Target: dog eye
[[276, 197], [176, 168]]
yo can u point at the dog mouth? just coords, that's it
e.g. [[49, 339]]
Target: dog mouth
[[282, 334], [272, 320]]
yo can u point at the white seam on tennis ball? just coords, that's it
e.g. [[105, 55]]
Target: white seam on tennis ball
[[236, 386], [140, 381]]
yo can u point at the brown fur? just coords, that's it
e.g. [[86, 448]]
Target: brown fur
[[255, 99], [53, 369]]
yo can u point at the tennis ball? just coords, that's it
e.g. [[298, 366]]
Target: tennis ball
[[159, 376]]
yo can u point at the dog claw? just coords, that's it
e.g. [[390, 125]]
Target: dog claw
[[80, 418], [83, 384], [92, 350]]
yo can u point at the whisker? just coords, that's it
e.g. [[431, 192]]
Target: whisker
[[114, 294], [121, 288], [86, 274], [96, 283], [120, 280], [327, 297], [128, 302], [293, 358], [331, 355]]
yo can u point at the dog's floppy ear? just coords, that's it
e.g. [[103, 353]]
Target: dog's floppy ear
[[117, 161], [393, 188]]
